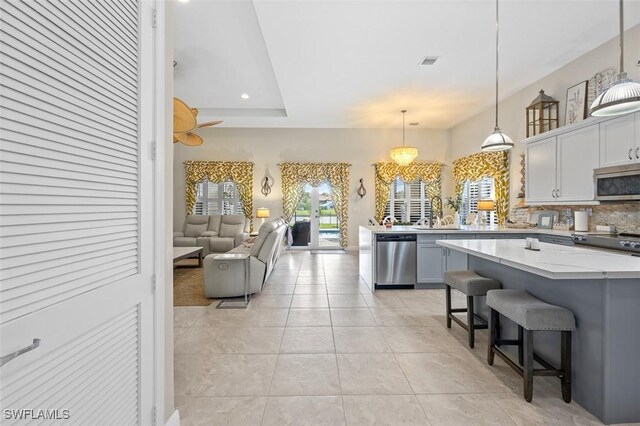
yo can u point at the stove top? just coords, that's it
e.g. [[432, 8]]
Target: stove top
[[626, 242]]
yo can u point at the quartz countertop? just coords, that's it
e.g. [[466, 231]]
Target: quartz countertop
[[414, 229], [553, 261]]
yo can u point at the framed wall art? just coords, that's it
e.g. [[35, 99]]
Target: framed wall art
[[576, 103]]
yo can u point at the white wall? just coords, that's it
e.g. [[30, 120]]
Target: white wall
[[268, 147], [467, 136]]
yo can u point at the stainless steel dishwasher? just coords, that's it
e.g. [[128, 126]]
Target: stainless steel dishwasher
[[396, 261]]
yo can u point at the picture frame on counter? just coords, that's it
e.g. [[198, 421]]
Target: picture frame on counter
[[545, 220], [576, 105]]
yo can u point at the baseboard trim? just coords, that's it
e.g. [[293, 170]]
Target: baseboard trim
[[174, 420]]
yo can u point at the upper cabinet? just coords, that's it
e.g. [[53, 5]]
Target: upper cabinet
[[560, 169], [619, 143], [540, 168], [560, 163], [577, 156]]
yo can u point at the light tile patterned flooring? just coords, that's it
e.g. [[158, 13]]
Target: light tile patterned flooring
[[316, 348]]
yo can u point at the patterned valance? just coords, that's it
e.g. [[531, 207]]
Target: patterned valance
[[296, 175], [486, 164], [430, 173], [238, 172]]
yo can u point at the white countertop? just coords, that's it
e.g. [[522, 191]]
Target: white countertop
[[413, 229], [553, 261]]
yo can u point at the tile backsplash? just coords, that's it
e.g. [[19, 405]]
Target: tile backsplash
[[625, 216]]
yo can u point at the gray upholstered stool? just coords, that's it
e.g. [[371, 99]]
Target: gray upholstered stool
[[531, 314], [470, 284]]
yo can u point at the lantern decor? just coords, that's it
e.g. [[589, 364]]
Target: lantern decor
[[542, 114]]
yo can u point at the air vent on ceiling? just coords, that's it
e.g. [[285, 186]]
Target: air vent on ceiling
[[429, 60]]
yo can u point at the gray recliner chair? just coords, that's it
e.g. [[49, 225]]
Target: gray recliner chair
[[214, 233], [225, 278]]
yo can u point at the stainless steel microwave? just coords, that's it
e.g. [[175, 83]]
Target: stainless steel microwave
[[618, 183]]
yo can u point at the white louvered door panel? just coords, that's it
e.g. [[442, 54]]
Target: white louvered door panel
[[76, 256]]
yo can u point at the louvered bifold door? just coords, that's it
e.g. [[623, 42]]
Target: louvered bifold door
[[72, 174]]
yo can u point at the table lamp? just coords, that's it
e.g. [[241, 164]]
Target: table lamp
[[486, 206], [262, 213]]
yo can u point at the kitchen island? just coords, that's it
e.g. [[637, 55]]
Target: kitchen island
[[431, 260], [602, 289]]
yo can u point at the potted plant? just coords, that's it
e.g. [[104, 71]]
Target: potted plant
[[455, 204]]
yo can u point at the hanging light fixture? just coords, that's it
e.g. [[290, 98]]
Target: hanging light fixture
[[624, 96], [497, 141], [403, 155]]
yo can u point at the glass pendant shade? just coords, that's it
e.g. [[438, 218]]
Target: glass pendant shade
[[497, 141], [621, 98], [624, 96], [404, 155]]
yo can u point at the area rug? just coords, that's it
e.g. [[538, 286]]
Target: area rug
[[188, 287]]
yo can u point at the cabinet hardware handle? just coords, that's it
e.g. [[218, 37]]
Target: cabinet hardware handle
[[638, 153], [629, 153], [553, 193], [558, 193], [5, 359]]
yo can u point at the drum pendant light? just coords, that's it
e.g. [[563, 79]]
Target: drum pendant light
[[497, 141], [624, 96], [403, 155]]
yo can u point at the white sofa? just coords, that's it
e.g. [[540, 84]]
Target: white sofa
[[214, 233], [224, 278]]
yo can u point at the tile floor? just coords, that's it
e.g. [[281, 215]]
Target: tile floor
[[317, 348]]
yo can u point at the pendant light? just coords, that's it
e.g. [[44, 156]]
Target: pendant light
[[497, 141], [624, 96], [403, 155]]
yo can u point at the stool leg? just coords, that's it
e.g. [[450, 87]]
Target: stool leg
[[528, 365], [447, 296], [493, 323], [520, 354], [470, 321], [565, 365]]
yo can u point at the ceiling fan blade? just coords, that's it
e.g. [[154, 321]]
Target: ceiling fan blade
[[189, 139], [209, 123], [183, 118]]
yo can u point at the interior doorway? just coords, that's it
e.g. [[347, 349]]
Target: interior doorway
[[314, 223]]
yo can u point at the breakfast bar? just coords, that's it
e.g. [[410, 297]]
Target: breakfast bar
[[601, 288]]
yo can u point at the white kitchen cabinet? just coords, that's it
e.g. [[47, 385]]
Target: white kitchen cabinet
[[455, 260], [540, 169], [577, 155], [559, 169], [619, 142], [431, 263]]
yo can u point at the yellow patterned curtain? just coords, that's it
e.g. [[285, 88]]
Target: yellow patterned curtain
[[296, 175], [486, 164], [238, 172], [430, 173]]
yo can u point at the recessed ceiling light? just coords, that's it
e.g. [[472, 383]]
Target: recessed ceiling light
[[183, 1], [429, 60], [245, 96]]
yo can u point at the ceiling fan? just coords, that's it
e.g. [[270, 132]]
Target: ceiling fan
[[185, 122]]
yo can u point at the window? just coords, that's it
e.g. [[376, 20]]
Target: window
[[474, 191], [217, 198], [408, 201]]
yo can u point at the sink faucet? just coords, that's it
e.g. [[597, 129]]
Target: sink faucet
[[431, 209]]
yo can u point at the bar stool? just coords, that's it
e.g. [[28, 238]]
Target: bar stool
[[531, 314], [470, 284]]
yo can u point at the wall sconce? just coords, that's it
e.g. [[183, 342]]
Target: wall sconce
[[266, 187], [361, 191]]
